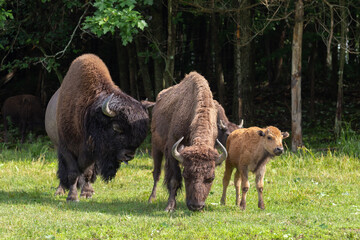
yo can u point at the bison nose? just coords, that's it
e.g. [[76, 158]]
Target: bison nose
[[129, 155], [195, 206], [126, 155], [278, 151]]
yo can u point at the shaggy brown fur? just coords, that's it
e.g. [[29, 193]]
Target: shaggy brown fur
[[25, 111], [185, 110], [251, 149], [92, 139], [50, 119]]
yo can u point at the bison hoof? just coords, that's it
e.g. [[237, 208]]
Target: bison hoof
[[222, 201], [242, 206], [72, 199], [261, 205], [87, 194], [59, 192], [170, 207], [151, 198]]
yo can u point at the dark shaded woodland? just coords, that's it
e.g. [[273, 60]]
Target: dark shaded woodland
[[245, 49]]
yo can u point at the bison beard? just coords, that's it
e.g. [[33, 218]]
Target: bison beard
[[99, 126]]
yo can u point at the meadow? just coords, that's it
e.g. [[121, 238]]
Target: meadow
[[308, 195]]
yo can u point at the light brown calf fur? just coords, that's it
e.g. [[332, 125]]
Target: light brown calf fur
[[251, 149]]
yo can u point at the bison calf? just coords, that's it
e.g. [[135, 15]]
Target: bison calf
[[251, 149]]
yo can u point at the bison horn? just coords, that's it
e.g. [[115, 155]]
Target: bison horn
[[105, 107], [223, 155], [175, 152], [222, 125], [241, 124]]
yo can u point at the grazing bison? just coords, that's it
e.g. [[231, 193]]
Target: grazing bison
[[186, 114], [251, 149], [50, 119], [25, 111], [98, 125], [225, 127]]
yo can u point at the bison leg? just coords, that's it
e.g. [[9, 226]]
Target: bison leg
[[60, 190], [157, 156], [68, 173], [87, 190], [226, 180], [88, 176], [260, 186], [173, 179], [244, 187]]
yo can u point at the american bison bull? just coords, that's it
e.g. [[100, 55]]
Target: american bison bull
[[251, 149], [186, 114], [24, 111], [99, 126]]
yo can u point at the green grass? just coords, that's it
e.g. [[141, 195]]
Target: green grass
[[307, 195]]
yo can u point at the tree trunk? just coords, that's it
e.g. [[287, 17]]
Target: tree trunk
[[340, 94], [296, 77], [311, 76], [171, 44], [123, 65], [159, 37], [144, 71], [132, 70], [242, 108], [219, 74]]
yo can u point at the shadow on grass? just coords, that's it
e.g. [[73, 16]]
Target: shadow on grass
[[114, 207]]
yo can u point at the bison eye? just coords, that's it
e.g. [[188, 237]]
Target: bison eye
[[117, 128], [209, 180], [270, 138]]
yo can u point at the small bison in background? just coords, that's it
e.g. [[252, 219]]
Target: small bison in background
[[225, 127], [25, 111], [251, 149]]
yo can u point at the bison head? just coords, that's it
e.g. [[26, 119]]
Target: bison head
[[199, 163], [115, 128], [225, 128], [272, 140]]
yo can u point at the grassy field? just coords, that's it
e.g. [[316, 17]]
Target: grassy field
[[307, 195]]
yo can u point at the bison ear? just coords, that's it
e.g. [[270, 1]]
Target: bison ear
[[147, 104], [261, 133], [285, 134]]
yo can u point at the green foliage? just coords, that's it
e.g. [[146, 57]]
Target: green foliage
[[116, 16], [4, 15]]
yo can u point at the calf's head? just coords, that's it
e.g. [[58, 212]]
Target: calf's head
[[199, 163], [271, 138]]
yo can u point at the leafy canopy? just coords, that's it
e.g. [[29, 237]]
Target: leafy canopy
[[116, 15]]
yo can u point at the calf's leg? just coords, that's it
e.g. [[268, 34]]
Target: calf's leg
[[260, 186], [244, 187], [226, 180]]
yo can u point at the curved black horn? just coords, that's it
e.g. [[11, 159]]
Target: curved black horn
[[223, 155], [105, 107], [175, 152]]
